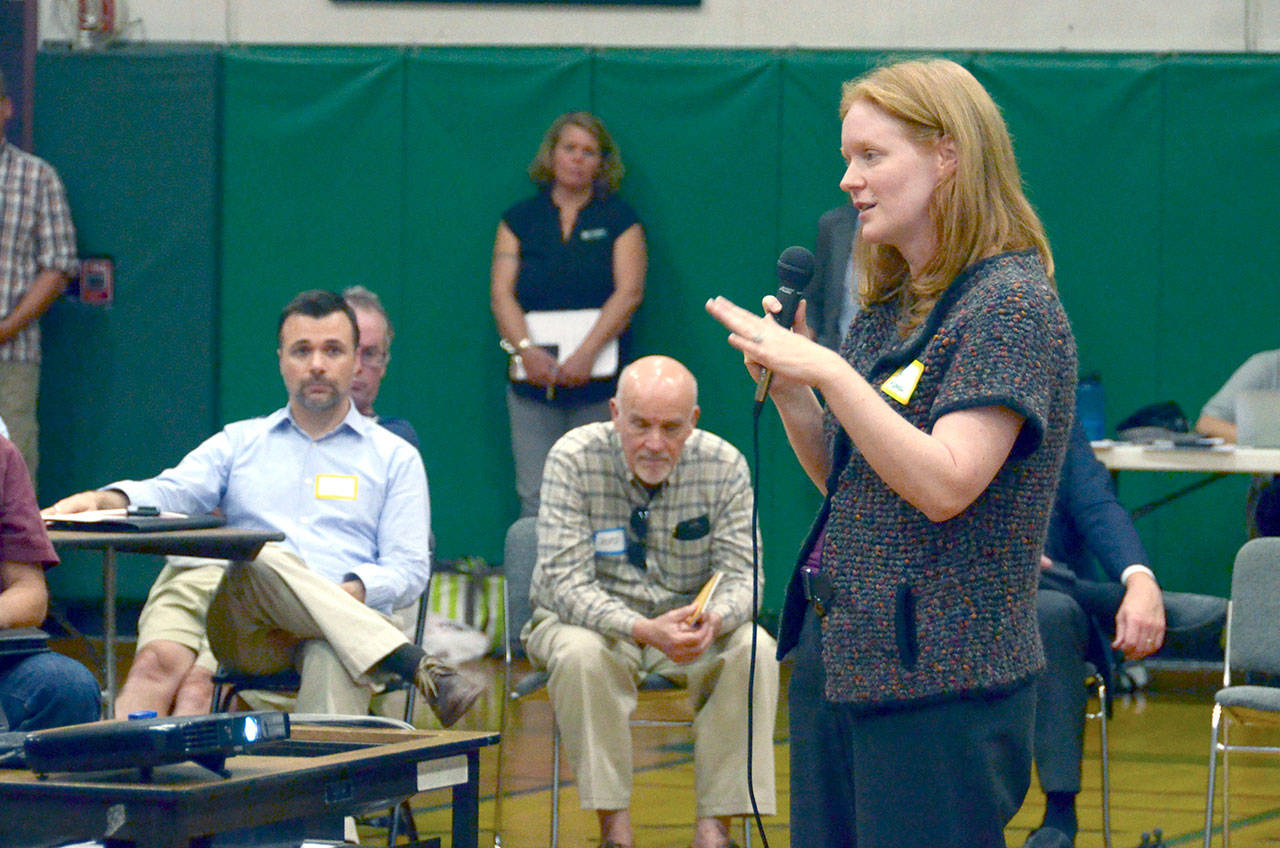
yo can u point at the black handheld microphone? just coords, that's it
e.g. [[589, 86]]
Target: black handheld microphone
[[795, 270]]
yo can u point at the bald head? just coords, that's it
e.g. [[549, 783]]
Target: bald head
[[658, 375], [654, 412]]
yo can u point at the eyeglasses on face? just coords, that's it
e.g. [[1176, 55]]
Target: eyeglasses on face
[[373, 357]]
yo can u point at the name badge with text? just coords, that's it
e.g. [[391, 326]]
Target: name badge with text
[[902, 385], [612, 541]]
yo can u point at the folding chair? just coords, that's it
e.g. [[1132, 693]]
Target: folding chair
[[1253, 648], [226, 685], [520, 554]]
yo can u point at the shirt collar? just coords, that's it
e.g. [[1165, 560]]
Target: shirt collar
[[354, 421], [591, 201], [643, 490]]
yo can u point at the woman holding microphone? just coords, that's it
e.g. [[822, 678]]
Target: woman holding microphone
[[937, 443]]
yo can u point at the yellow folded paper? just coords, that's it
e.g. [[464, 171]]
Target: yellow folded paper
[[704, 597]]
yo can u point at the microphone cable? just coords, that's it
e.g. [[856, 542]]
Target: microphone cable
[[755, 615], [795, 269]]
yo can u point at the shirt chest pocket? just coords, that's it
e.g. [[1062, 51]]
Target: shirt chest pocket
[[689, 548]]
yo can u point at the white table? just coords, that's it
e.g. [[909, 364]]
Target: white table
[[1215, 463]]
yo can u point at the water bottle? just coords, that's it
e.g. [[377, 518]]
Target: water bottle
[[1091, 406]]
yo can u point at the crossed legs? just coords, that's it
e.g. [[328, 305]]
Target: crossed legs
[[271, 612], [172, 672]]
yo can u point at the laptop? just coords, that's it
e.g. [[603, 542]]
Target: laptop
[[125, 521], [20, 641], [1258, 419]]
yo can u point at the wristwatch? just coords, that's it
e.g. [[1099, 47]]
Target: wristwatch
[[517, 348]]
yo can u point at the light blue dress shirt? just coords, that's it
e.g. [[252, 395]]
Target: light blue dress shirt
[[352, 503]]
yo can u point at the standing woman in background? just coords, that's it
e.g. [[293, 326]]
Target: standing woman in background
[[948, 408], [574, 246]]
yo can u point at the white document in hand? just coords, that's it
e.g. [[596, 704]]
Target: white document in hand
[[563, 331]]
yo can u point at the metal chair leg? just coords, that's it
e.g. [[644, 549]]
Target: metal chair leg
[[1226, 782], [555, 784], [1213, 773], [498, 792], [1098, 688], [1106, 764], [402, 812], [503, 712]]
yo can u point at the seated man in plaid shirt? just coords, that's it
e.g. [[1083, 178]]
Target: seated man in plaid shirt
[[637, 513]]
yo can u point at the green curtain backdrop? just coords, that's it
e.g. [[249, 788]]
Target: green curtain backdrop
[[475, 118], [127, 389], [391, 166], [312, 160]]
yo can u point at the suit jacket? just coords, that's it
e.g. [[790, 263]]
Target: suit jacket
[[825, 294], [1088, 524]]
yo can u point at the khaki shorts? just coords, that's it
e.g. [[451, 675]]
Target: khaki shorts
[[177, 603]]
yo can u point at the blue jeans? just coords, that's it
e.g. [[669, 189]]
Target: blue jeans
[[47, 690]]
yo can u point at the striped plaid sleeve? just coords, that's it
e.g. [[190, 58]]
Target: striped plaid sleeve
[[731, 547], [56, 232]]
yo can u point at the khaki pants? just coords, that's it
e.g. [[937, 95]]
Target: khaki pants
[[19, 385], [272, 612], [593, 692]]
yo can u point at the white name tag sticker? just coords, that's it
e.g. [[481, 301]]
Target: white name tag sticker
[[902, 385], [612, 541], [336, 487]]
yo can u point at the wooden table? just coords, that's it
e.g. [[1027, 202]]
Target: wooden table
[[216, 542], [320, 771], [1214, 462]]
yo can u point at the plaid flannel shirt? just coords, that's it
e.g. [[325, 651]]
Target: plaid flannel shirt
[[36, 234], [699, 521]]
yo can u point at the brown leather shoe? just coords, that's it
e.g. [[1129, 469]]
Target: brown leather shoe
[[449, 693]]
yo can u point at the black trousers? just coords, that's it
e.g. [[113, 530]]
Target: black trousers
[[1060, 694], [951, 773]]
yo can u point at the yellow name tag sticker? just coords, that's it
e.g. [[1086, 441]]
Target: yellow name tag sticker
[[903, 383], [336, 487]]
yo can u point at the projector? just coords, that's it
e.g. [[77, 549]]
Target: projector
[[144, 743]]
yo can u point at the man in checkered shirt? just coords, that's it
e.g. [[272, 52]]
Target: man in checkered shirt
[[37, 258], [637, 513]]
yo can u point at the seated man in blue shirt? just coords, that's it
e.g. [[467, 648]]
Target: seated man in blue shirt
[[351, 499], [172, 672]]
